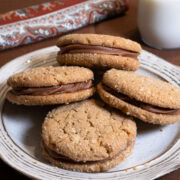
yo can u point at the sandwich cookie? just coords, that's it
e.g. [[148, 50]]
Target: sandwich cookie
[[98, 51], [51, 85], [87, 137], [145, 98]]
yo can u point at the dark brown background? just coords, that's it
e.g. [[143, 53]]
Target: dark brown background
[[125, 26]]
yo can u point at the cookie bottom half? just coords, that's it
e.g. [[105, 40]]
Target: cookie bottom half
[[50, 99], [99, 61], [89, 166]]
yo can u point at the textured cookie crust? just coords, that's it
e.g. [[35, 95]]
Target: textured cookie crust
[[98, 60], [99, 40], [50, 76], [92, 167], [50, 99], [143, 88], [87, 131], [135, 111]]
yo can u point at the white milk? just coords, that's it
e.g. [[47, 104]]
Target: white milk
[[159, 23]]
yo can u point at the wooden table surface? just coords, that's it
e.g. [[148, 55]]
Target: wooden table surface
[[125, 26]]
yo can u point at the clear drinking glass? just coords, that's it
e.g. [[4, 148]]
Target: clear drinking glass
[[159, 23]]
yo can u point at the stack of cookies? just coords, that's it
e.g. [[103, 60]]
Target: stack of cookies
[[94, 134]]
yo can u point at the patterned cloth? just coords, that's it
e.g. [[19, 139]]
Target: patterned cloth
[[35, 23]]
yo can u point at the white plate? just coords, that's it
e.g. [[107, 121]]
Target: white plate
[[157, 148]]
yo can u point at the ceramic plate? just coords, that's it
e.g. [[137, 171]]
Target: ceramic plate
[[157, 148]]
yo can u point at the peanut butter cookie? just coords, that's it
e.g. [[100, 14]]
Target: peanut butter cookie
[[100, 51], [51, 85], [87, 136], [146, 98]]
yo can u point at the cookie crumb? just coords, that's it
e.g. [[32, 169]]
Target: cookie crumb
[[28, 61]]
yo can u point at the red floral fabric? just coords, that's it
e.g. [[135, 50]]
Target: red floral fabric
[[35, 23]]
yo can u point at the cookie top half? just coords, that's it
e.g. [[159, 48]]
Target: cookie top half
[[142, 88], [99, 40], [50, 76], [87, 131]]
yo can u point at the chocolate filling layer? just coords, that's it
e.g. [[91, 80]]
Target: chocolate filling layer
[[44, 91], [145, 106], [81, 48], [62, 158]]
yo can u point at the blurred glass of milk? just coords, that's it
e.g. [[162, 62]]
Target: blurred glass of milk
[[159, 23]]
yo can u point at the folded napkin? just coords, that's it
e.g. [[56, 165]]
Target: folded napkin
[[35, 23]]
